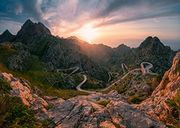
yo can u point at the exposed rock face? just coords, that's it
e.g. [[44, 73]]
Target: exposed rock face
[[56, 52], [85, 112], [157, 105], [22, 90], [96, 110], [31, 30], [6, 36], [35, 35], [19, 61], [92, 111], [70, 52]]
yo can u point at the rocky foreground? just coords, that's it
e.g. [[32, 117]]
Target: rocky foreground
[[102, 110]]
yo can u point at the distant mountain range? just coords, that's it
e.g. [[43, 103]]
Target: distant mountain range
[[94, 59], [41, 77]]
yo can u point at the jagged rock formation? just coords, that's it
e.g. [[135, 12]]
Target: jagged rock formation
[[35, 35], [153, 50], [6, 36], [103, 110], [21, 89], [31, 30], [157, 105], [92, 111], [95, 60], [57, 53]]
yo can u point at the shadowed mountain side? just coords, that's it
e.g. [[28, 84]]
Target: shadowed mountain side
[[6, 36], [95, 59]]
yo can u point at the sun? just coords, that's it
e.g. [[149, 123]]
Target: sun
[[88, 33]]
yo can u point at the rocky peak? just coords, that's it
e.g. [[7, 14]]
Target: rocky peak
[[28, 22], [123, 46], [152, 43], [122, 49], [158, 105], [6, 36], [171, 76], [31, 30], [6, 32]]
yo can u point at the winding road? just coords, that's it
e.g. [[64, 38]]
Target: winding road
[[74, 70], [124, 67], [144, 69], [83, 82]]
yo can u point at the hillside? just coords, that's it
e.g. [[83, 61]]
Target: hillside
[[35, 52], [87, 111]]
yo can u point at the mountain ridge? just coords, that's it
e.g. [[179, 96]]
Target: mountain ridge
[[6, 36], [87, 111], [69, 52]]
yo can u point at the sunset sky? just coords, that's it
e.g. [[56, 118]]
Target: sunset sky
[[98, 21]]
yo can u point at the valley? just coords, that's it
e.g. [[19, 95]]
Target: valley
[[70, 83]]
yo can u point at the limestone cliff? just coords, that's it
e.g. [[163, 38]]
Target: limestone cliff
[[161, 104]]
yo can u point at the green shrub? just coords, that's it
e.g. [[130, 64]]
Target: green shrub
[[103, 102], [174, 104], [134, 99], [13, 114], [4, 86]]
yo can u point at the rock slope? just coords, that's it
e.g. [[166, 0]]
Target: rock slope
[[102, 110], [92, 111], [157, 105], [6, 36]]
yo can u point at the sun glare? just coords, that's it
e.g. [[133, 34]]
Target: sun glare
[[88, 33]]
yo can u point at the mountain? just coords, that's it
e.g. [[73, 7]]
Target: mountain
[[153, 46], [6, 36], [154, 51], [46, 74], [65, 53], [55, 52], [164, 103], [96, 110], [96, 60], [151, 50], [98, 52], [30, 29], [122, 54]]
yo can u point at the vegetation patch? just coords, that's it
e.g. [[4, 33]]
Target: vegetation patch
[[173, 117], [4, 86], [103, 102], [57, 86], [134, 99]]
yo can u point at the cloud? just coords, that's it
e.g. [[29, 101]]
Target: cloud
[[13, 26], [33, 8], [18, 9], [71, 14], [128, 14]]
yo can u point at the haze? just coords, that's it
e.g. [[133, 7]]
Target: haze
[[110, 22]]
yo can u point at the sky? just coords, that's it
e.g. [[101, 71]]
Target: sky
[[110, 22]]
